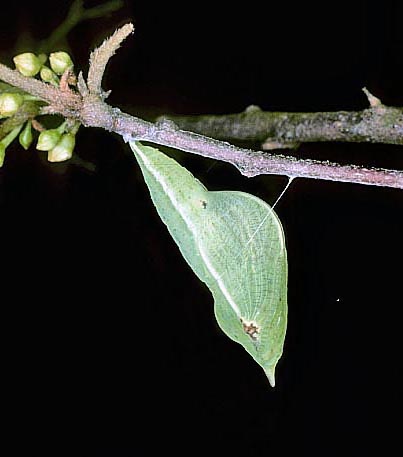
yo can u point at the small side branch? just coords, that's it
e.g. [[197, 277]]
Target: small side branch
[[76, 14], [100, 57]]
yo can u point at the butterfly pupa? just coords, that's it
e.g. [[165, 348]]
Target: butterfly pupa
[[234, 243]]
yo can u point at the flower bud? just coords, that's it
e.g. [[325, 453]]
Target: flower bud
[[48, 139], [9, 103], [64, 148], [60, 62], [27, 63], [26, 136], [42, 58], [48, 76]]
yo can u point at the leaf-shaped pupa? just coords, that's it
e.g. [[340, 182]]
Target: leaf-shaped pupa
[[234, 242]]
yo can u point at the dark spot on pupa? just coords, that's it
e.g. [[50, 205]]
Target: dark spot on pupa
[[203, 204], [251, 329]]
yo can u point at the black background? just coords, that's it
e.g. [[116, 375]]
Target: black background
[[110, 347]]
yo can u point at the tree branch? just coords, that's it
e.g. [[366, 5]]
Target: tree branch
[[89, 109], [273, 130]]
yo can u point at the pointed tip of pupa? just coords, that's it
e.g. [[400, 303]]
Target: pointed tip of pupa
[[270, 375]]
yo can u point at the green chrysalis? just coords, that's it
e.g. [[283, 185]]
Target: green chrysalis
[[234, 242]]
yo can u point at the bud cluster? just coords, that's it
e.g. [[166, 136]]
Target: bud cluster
[[58, 142]]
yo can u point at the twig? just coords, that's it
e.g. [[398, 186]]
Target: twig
[[273, 130], [100, 57], [76, 14], [63, 103], [90, 109]]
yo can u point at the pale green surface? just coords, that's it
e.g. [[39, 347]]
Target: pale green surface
[[26, 136], [234, 243]]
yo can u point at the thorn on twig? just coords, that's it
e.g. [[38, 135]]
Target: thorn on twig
[[374, 102], [81, 85]]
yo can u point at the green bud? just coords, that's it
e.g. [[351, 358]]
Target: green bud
[[64, 149], [9, 103], [42, 58], [48, 76], [60, 62], [27, 63], [48, 139], [26, 136]]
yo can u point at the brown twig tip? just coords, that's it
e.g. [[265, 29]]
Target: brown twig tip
[[99, 58]]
